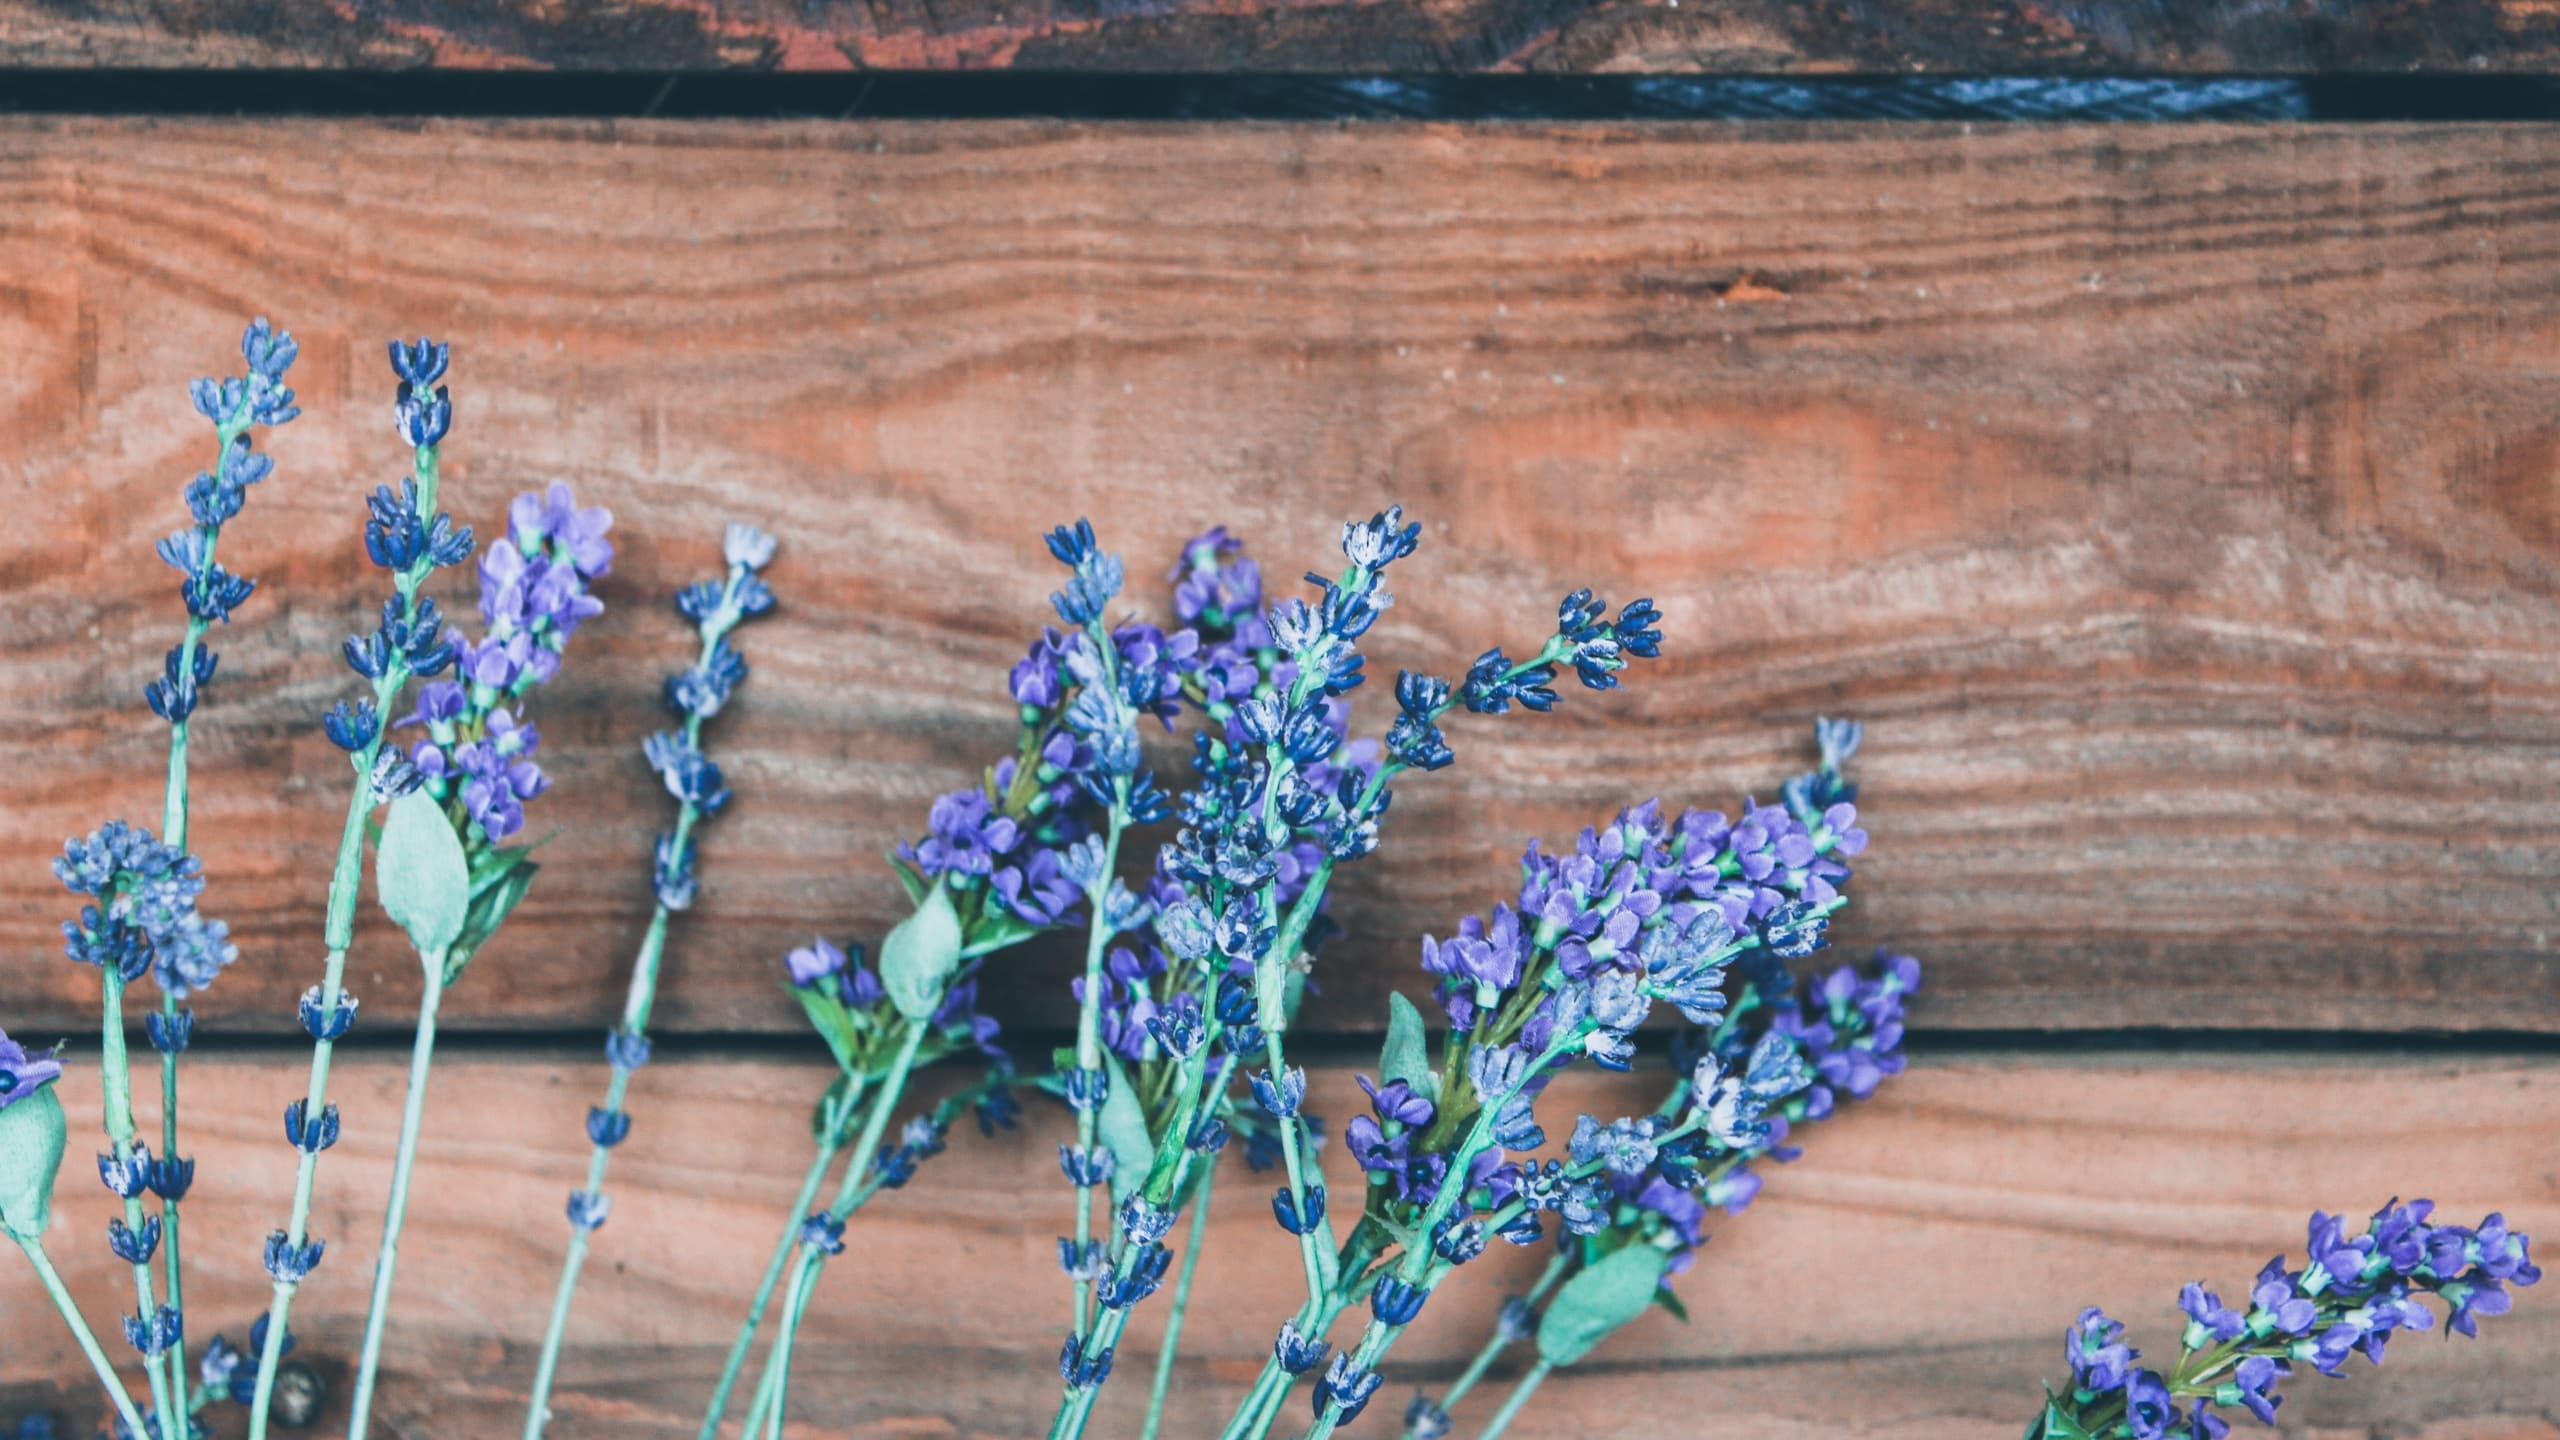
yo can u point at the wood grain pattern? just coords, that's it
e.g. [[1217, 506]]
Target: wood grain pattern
[[1564, 36], [1909, 1278], [2177, 505]]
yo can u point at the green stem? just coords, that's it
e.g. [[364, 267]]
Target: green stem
[[857, 1187], [173, 832], [1089, 1042], [1261, 1408], [178, 1374], [395, 1216], [80, 1331], [1494, 1347], [338, 933], [635, 1019], [771, 1395], [315, 1106], [1521, 1390], [115, 1069], [827, 1150], [1181, 1303]]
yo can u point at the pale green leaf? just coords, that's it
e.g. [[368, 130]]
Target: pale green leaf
[[33, 1133], [421, 875], [918, 958], [1123, 1132], [833, 1024], [1608, 1293], [1407, 1056]]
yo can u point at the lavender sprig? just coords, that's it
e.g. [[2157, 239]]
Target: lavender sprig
[[146, 918], [1281, 794], [234, 407], [1102, 726], [1644, 910], [2353, 1293], [408, 536], [142, 920], [471, 776], [716, 608], [1847, 1025], [990, 873]]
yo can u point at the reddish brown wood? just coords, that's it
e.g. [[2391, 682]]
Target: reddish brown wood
[[1909, 1277], [1960, 36], [2177, 505]]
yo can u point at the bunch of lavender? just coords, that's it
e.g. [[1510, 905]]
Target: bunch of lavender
[[1282, 799], [1848, 1027], [1021, 851], [716, 607], [142, 892], [1643, 910], [2353, 1293], [453, 795]]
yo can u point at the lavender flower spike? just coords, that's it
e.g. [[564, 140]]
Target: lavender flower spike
[[536, 595], [2351, 1295]]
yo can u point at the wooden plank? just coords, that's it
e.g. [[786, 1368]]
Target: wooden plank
[[2178, 507], [1909, 1277], [1560, 36]]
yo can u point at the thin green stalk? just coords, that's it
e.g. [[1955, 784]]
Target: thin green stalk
[[116, 1072], [635, 1020], [1261, 1408], [857, 1187], [771, 1394], [345, 879], [1493, 1348], [80, 1331], [178, 1368], [412, 1112], [827, 1150], [1181, 1304], [173, 832], [1089, 1041], [1521, 1390]]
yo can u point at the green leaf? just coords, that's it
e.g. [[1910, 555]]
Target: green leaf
[[2058, 1424], [33, 1133], [913, 879], [1003, 932], [421, 875], [834, 1025], [1407, 1056], [918, 957], [1610, 1292], [1123, 1131], [495, 892], [1670, 1300]]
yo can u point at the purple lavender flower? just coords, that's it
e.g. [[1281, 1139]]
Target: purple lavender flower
[[965, 835], [146, 917], [477, 753], [2356, 1289], [23, 1072], [1216, 586]]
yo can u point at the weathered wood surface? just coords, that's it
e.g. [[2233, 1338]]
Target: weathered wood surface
[[1910, 1277], [2178, 506], [1959, 36]]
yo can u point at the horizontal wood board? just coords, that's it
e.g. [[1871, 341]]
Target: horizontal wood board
[[1555, 36], [1910, 1277], [2177, 506]]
